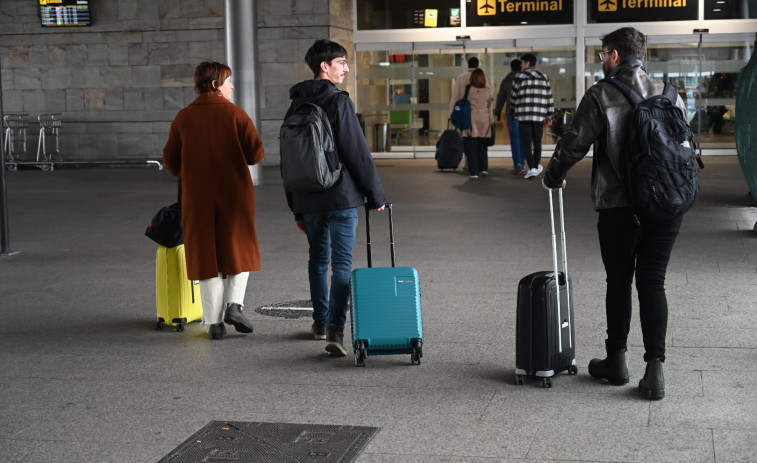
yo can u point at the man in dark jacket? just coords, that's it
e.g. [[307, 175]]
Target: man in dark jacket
[[503, 101], [630, 245], [329, 218]]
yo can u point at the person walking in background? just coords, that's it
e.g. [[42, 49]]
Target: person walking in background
[[504, 101], [476, 139], [210, 144], [329, 218], [533, 106], [631, 245], [458, 91]]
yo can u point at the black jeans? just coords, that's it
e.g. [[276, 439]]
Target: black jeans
[[629, 248], [477, 151], [530, 141]]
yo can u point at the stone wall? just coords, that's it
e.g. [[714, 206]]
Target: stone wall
[[119, 83]]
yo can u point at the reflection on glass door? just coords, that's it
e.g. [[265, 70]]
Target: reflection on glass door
[[404, 95], [706, 76]]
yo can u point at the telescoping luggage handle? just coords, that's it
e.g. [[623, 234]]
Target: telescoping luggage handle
[[368, 232], [565, 266]]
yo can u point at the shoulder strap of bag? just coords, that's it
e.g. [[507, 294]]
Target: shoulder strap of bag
[[467, 89]]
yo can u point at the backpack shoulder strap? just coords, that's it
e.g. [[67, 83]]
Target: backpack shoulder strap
[[633, 96], [670, 92], [467, 90]]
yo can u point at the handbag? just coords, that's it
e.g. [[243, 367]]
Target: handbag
[[493, 137], [165, 227]]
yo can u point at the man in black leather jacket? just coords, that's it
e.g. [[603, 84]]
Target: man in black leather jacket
[[329, 218], [629, 246]]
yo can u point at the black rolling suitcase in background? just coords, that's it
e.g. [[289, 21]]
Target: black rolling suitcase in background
[[545, 336], [449, 149]]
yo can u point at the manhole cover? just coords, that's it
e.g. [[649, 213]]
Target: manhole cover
[[293, 309], [241, 442]]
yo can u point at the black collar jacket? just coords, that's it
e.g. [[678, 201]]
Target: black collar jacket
[[359, 183], [602, 119]]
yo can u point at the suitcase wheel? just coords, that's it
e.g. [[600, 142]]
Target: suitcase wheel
[[546, 382], [417, 352], [159, 326], [572, 370], [361, 353], [180, 327], [519, 379]]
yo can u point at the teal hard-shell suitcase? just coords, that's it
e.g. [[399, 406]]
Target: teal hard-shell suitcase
[[386, 307]]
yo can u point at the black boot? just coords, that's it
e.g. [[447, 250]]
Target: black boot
[[652, 385], [217, 331], [613, 368], [234, 316]]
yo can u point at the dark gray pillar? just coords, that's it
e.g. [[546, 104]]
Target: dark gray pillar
[[242, 54], [4, 228]]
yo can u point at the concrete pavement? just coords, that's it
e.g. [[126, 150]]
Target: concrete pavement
[[85, 377]]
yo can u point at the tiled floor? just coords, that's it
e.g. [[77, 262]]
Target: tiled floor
[[85, 377]]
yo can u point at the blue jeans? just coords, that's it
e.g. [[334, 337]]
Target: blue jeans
[[519, 159], [331, 235]]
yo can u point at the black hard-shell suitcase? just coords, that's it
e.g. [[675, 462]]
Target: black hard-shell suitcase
[[545, 335], [449, 150]]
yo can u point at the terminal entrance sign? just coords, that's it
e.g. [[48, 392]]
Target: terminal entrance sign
[[519, 12], [64, 13], [619, 11]]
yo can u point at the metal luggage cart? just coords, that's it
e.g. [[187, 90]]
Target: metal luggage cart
[[15, 139], [48, 127]]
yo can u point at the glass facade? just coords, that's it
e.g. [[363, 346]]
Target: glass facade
[[404, 78]]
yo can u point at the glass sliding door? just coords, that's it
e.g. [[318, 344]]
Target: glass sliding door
[[409, 89]]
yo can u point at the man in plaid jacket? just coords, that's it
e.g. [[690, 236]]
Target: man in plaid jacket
[[533, 106]]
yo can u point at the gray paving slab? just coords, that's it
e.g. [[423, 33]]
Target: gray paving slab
[[85, 377], [622, 441]]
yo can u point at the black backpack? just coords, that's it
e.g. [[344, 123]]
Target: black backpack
[[661, 178], [309, 160]]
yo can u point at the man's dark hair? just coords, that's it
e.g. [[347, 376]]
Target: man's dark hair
[[529, 58], [515, 65], [472, 62], [628, 42], [323, 50]]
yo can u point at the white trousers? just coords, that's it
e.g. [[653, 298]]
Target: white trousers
[[218, 292]]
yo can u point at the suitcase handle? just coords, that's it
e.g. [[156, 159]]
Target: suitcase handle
[[368, 232], [564, 262]]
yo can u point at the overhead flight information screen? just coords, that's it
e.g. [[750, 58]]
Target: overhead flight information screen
[[64, 12]]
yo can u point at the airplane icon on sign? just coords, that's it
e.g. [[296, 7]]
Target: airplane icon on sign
[[486, 7], [608, 5]]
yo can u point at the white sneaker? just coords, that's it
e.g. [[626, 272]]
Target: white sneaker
[[531, 173], [484, 173], [540, 169]]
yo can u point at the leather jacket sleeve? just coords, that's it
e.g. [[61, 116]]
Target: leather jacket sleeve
[[587, 126]]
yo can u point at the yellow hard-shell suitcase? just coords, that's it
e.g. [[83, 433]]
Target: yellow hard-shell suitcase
[[178, 297]]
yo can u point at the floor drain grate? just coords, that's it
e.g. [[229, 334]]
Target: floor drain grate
[[242, 442], [293, 309]]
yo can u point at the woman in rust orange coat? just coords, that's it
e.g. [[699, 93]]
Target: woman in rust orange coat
[[210, 145]]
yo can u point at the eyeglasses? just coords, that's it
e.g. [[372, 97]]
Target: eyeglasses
[[603, 55]]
